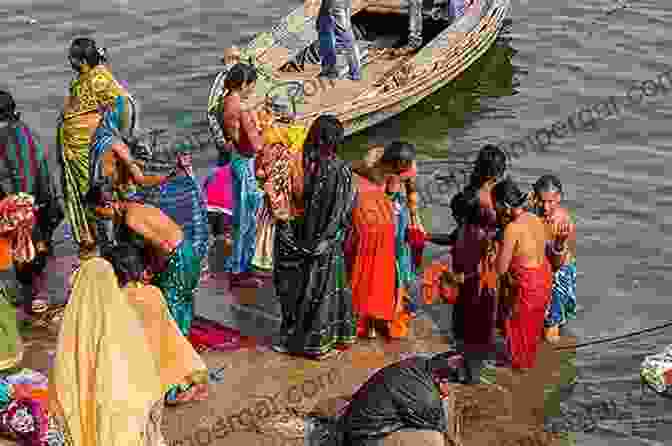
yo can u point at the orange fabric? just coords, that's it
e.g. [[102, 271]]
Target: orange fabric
[[6, 259], [398, 327], [432, 285], [373, 276]]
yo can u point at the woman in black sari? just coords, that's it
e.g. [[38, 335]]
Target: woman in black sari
[[309, 273]]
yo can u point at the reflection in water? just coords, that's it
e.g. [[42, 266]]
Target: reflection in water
[[452, 107]]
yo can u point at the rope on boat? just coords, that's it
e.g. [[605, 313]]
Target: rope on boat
[[616, 338]]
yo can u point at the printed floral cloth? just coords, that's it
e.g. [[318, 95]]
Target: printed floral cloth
[[23, 413], [17, 218], [656, 371]]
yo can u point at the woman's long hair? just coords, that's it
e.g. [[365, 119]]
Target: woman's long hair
[[322, 143], [490, 163]]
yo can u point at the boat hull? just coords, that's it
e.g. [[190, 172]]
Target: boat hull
[[413, 79]]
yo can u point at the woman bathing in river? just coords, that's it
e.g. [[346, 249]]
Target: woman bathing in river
[[528, 254], [546, 199], [475, 314]]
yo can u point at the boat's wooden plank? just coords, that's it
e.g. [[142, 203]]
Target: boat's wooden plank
[[389, 85]]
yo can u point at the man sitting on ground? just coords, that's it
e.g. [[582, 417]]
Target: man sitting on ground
[[408, 396]]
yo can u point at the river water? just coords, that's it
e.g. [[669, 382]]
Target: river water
[[553, 58]]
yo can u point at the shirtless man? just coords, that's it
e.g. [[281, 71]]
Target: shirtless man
[[525, 253]]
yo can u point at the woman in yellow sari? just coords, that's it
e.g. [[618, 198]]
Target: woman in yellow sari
[[93, 91], [114, 362]]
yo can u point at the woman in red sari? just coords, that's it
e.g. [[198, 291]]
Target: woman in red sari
[[527, 254]]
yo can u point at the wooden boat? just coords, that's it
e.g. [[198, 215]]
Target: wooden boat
[[287, 59]]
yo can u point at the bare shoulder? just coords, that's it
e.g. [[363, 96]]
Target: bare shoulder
[[512, 230], [153, 289]]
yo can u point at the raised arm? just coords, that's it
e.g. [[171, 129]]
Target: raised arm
[[122, 152]]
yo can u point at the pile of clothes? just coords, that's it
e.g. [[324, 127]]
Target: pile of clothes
[[23, 408], [656, 372]]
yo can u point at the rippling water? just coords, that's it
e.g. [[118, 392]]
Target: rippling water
[[553, 58]]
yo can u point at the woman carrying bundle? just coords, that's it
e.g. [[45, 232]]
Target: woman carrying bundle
[[277, 165]]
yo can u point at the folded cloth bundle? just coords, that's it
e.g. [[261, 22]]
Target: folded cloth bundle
[[656, 371]]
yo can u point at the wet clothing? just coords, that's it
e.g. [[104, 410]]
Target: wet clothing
[[475, 314], [563, 298], [532, 293], [178, 283]]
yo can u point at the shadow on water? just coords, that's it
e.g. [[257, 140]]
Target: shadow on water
[[455, 106]]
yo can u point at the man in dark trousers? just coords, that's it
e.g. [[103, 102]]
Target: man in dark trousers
[[336, 37]]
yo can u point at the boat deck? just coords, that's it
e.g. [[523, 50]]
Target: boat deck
[[323, 95]]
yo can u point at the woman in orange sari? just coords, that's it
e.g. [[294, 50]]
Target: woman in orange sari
[[372, 247]]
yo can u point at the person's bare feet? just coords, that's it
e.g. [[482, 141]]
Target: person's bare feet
[[552, 335]]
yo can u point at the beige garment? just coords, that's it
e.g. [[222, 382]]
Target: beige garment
[[105, 387], [176, 359]]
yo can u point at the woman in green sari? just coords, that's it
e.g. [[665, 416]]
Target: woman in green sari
[[94, 90]]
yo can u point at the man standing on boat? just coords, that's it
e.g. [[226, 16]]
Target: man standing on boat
[[448, 10], [334, 28]]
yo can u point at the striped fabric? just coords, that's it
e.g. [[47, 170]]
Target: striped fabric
[[182, 200], [563, 302], [25, 161]]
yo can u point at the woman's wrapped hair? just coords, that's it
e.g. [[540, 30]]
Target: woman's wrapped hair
[[547, 183], [85, 49], [128, 262], [398, 151], [507, 194]]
